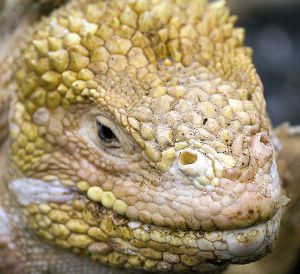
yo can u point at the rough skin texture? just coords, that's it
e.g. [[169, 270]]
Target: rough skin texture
[[138, 137], [285, 258]]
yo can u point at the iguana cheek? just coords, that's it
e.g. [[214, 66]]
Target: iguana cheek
[[29, 191]]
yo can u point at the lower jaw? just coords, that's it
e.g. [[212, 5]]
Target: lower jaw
[[238, 246], [248, 244], [108, 238]]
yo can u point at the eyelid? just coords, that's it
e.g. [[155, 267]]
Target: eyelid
[[105, 121]]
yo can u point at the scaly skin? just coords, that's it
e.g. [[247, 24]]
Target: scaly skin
[[189, 182], [285, 258]]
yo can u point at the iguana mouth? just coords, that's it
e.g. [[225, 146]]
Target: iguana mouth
[[69, 219]]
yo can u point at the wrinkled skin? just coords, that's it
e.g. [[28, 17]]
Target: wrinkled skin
[[138, 137], [285, 258]]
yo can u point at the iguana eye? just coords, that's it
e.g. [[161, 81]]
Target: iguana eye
[[105, 133]]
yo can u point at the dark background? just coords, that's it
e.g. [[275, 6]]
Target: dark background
[[273, 31]]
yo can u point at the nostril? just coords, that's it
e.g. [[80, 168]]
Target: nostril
[[265, 140], [187, 158], [261, 148]]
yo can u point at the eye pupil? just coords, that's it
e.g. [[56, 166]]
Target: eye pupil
[[105, 133]]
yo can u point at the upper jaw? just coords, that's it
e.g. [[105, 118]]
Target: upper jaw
[[213, 187], [228, 206], [231, 204]]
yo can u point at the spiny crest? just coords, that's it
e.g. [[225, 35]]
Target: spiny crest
[[100, 38]]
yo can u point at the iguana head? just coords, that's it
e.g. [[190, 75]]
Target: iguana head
[[139, 136]]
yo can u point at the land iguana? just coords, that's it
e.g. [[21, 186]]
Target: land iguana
[[134, 134]]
